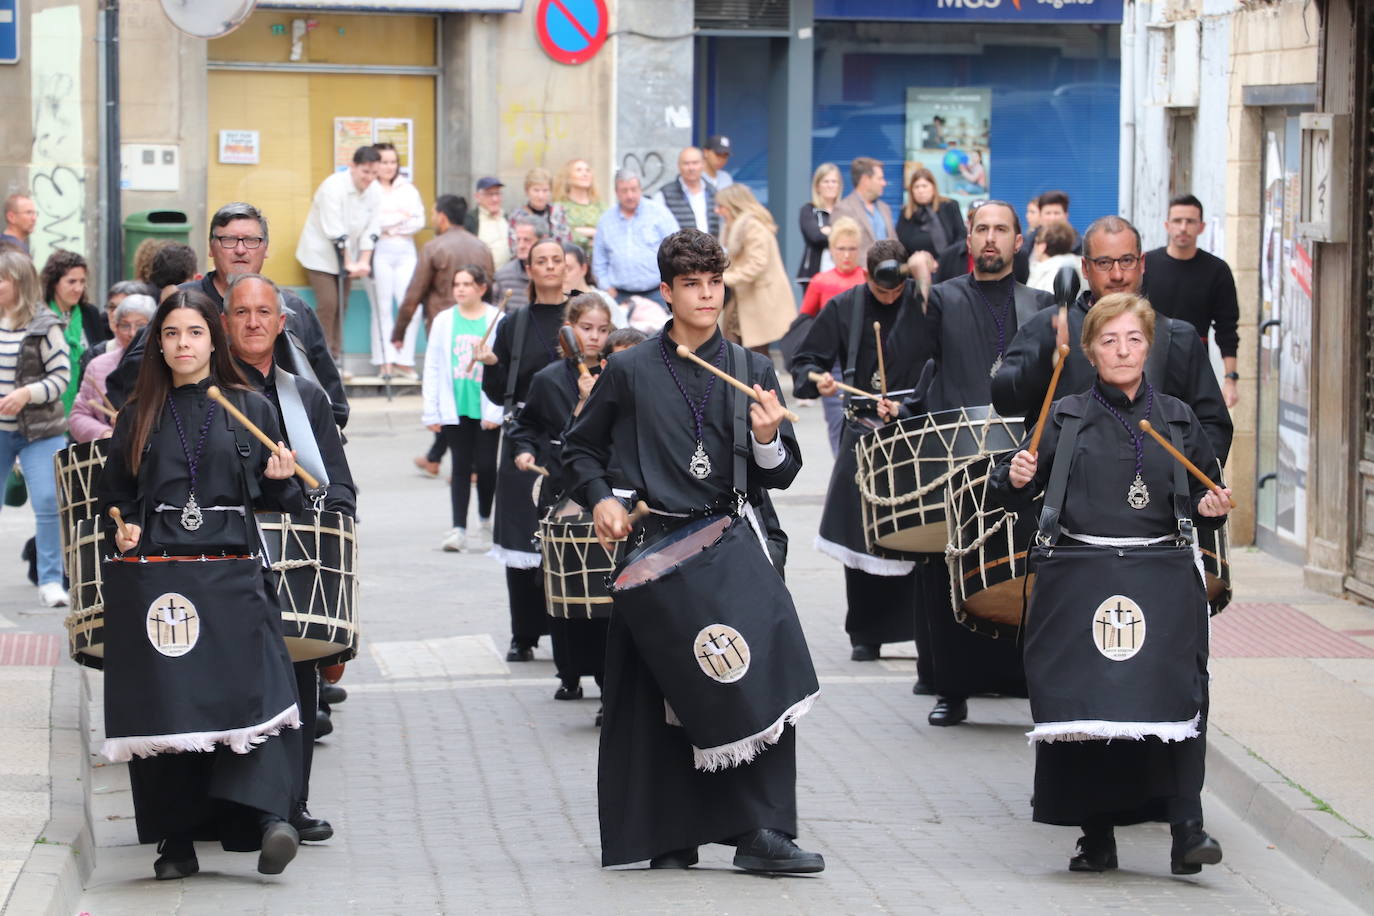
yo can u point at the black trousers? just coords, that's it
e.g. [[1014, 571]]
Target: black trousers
[[437, 448], [472, 448], [879, 607], [529, 619], [308, 690]]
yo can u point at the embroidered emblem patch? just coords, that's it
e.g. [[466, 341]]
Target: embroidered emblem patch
[[173, 624], [1118, 628], [722, 653]]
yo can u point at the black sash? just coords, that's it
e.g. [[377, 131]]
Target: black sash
[[517, 353]]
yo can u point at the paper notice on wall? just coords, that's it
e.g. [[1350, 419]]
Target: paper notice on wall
[[399, 132], [349, 134], [239, 147]]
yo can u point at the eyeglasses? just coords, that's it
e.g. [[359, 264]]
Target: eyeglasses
[[126, 326], [233, 241], [1127, 262]]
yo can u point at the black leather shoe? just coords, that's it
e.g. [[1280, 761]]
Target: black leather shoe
[[1193, 848], [773, 852], [678, 858], [279, 844], [519, 653], [600, 715], [311, 829], [568, 692], [1095, 853], [921, 689], [865, 653], [323, 725], [948, 711], [331, 694], [177, 860]]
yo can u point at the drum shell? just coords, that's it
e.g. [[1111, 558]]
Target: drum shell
[[904, 469], [575, 565], [1216, 565], [86, 621], [729, 583], [77, 468], [988, 562], [314, 556]]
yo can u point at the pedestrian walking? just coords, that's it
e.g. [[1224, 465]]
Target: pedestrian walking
[[401, 215], [815, 221], [761, 307]]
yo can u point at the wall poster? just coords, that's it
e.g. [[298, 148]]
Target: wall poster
[[947, 132]]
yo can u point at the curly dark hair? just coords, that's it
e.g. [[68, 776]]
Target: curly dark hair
[[59, 263], [173, 266], [690, 251]]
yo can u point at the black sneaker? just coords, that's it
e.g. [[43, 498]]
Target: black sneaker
[[1193, 848], [773, 852]]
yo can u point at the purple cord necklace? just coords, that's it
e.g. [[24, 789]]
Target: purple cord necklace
[[1000, 321], [700, 464], [191, 517], [1138, 495]]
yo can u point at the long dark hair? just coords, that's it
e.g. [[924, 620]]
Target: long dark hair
[[59, 263], [155, 376], [574, 251]]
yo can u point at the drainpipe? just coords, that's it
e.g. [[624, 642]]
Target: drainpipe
[[109, 148], [1126, 166]]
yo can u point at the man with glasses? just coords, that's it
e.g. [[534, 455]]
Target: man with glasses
[[1177, 365], [1188, 283]]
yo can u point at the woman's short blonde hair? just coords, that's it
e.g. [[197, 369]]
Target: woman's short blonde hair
[[844, 228], [538, 176], [1113, 306], [825, 168]]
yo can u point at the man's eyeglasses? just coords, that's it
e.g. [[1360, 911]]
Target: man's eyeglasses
[[1127, 262], [233, 241]]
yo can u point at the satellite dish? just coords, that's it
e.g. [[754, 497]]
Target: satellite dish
[[208, 18]]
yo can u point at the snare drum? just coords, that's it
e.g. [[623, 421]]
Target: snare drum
[[78, 469], [575, 564], [86, 622], [316, 556], [905, 467], [987, 555], [1216, 565]]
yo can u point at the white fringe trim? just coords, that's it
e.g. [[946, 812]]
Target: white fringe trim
[[1099, 730], [238, 740], [863, 562], [745, 750], [514, 559]]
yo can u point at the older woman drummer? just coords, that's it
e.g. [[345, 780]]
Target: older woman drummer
[[1120, 493]]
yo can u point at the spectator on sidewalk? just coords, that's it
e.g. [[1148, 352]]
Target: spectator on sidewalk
[[625, 257], [574, 189], [21, 218], [761, 307], [402, 214], [1057, 240], [690, 197], [929, 222], [64, 281], [172, 266], [1183, 281], [488, 221], [451, 249], [539, 205], [88, 421], [815, 219], [864, 206], [716, 153], [513, 277]]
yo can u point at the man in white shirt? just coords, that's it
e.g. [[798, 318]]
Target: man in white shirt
[[344, 213], [488, 221], [691, 198]]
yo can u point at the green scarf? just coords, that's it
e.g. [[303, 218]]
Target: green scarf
[[75, 347]]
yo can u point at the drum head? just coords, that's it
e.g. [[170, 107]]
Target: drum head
[[652, 561], [567, 509]]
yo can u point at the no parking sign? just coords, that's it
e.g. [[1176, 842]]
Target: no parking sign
[[571, 31]]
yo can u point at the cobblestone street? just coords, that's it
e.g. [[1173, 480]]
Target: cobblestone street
[[456, 784]]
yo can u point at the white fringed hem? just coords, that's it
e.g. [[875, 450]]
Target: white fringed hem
[[238, 740], [745, 750], [863, 562], [515, 559], [1101, 730]]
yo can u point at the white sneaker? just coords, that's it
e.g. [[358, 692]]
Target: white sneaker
[[52, 594], [455, 542]]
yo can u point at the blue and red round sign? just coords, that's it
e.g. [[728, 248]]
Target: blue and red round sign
[[571, 31]]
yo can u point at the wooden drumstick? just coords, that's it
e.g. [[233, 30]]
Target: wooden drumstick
[[500, 310], [108, 411], [119, 523], [727, 377], [639, 512], [882, 367], [1183, 459], [541, 471], [1049, 399], [214, 392], [817, 376], [108, 403], [572, 345]]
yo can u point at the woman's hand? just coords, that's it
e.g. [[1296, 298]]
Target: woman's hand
[[126, 544], [584, 385], [1216, 503], [15, 401], [1023, 466], [282, 464], [888, 409], [524, 462], [434, 427], [488, 425], [484, 355]]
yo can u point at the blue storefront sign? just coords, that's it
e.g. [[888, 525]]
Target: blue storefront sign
[[1023, 11], [9, 31]]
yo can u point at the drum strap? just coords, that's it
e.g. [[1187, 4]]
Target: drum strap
[[297, 422], [517, 352], [1157, 363], [739, 368], [1025, 302], [856, 333]]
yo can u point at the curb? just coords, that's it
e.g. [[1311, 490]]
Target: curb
[[53, 877], [1335, 852]]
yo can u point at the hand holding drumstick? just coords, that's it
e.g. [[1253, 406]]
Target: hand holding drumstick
[[613, 523], [1218, 500], [282, 463], [126, 535]]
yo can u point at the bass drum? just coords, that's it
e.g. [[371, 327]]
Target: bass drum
[[77, 468], [86, 622], [316, 557], [576, 566], [1216, 566], [988, 575]]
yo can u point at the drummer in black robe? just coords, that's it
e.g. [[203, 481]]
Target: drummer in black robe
[[880, 586], [1119, 486], [1179, 365], [525, 341], [556, 393], [253, 321], [967, 326], [178, 470], [654, 803]]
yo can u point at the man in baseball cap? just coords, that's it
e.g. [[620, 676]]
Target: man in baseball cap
[[716, 150], [487, 220]]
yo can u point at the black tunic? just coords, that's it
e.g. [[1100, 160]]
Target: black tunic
[[636, 433], [1199, 290], [516, 518], [1020, 385], [218, 795], [1117, 782]]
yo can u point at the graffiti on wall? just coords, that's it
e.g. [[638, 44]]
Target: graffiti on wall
[[530, 131], [57, 177], [653, 105]]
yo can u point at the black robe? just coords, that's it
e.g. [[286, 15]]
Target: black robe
[[636, 433], [1020, 385], [218, 795], [579, 644], [879, 585], [1121, 781]]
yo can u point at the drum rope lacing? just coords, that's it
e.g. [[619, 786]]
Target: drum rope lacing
[[952, 552], [914, 494]]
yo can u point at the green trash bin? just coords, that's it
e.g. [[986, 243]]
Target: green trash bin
[[152, 224]]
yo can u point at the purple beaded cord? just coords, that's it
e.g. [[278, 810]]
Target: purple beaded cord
[[1137, 436], [698, 408], [1000, 321], [192, 460]]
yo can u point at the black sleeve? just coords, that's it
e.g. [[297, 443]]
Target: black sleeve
[[119, 384], [1020, 262], [810, 227], [342, 495], [1198, 448], [311, 334], [117, 485], [1203, 394], [1225, 310], [780, 477], [952, 263], [915, 335], [536, 424], [1021, 383], [587, 445], [820, 350], [275, 495], [494, 377], [1002, 494]]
